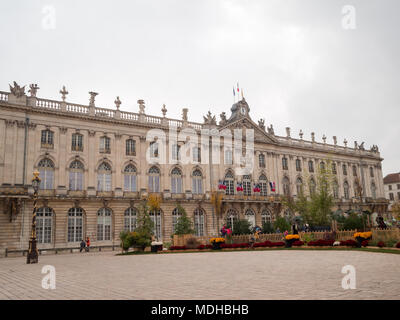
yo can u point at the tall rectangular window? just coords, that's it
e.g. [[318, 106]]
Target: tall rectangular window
[[47, 139], [130, 147], [77, 142]]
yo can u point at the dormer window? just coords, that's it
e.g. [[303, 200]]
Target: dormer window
[[243, 110]]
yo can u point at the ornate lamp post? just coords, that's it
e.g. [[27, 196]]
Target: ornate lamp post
[[33, 255]]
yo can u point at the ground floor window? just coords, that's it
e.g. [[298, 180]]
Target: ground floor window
[[44, 224], [104, 224], [130, 219], [199, 222], [231, 217], [251, 217], [266, 217], [156, 218], [75, 224]]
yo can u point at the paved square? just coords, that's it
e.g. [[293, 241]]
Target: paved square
[[214, 275]]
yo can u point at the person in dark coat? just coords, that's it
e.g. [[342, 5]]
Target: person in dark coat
[[294, 229], [83, 245]]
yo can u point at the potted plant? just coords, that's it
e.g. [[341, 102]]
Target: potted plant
[[290, 238], [362, 236], [216, 243]]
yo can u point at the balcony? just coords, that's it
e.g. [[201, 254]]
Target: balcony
[[105, 150], [77, 148], [77, 193], [47, 145]]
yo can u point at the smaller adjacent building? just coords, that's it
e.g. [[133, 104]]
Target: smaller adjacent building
[[392, 187]]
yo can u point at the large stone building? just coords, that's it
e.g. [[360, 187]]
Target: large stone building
[[392, 188], [94, 170]]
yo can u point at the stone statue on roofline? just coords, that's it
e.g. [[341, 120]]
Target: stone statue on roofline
[[16, 90], [33, 89], [261, 124], [210, 119], [223, 118], [271, 130]]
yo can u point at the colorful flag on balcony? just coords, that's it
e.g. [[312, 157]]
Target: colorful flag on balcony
[[272, 186], [256, 188], [221, 185], [239, 187]]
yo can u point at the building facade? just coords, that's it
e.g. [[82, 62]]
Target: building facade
[[392, 188], [96, 164]]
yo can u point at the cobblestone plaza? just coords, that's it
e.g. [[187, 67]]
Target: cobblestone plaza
[[277, 274]]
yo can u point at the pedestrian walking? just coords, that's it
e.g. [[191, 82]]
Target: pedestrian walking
[[87, 244], [83, 245]]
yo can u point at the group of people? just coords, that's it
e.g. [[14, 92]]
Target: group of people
[[85, 245], [226, 231]]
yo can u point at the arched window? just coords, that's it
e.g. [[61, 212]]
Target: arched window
[[47, 139], [154, 179], [197, 182], [310, 166], [322, 166], [298, 165], [75, 224], [46, 174], [175, 217], [263, 181], [76, 170], [266, 217], [247, 185], [251, 217], [104, 224], [44, 225], [155, 216], [176, 180], [288, 214], [284, 163], [261, 160], [286, 186], [229, 183], [130, 147], [130, 215], [371, 172], [104, 177], [335, 188], [105, 145], [231, 217], [346, 190], [344, 170], [299, 186], [312, 187], [354, 171], [130, 178], [373, 190], [199, 222]]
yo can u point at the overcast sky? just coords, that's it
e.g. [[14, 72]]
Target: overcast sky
[[297, 64]]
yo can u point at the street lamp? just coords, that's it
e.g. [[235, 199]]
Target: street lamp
[[33, 255]]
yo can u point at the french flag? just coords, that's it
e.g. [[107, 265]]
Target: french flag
[[272, 186], [256, 188], [239, 187], [221, 185]]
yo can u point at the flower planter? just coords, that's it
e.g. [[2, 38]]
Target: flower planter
[[359, 241], [216, 245], [289, 243]]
